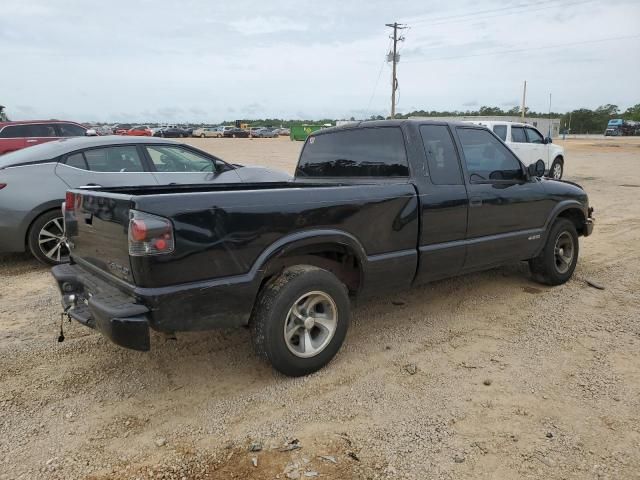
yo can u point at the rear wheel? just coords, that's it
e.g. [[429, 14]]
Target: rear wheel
[[47, 241], [558, 259], [300, 320], [557, 168], [202, 135]]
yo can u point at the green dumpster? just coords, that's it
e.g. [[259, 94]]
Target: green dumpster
[[301, 132]]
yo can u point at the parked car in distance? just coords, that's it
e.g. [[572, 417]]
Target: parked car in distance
[[235, 133], [122, 128], [103, 130], [265, 133], [171, 132], [285, 132], [18, 135], [139, 131], [374, 207], [529, 145], [202, 132], [33, 181]]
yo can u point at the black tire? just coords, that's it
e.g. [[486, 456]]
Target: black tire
[[51, 220], [547, 267], [202, 135], [272, 314], [233, 135], [557, 169]]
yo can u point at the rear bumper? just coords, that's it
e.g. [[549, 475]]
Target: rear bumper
[[125, 313], [100, 306]]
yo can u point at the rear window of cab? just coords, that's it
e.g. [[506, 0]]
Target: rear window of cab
[[362, 152]]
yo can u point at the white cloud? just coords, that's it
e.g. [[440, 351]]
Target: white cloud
[[266, 25], [209, 61]]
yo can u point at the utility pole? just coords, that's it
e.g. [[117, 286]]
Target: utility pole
[[394, 57], [549, 115], [524, 101]]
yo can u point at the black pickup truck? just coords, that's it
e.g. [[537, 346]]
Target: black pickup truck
[[374, 207]]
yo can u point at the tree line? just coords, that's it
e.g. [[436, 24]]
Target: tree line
[[582, 120]]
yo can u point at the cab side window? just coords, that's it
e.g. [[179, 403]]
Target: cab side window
[[442, 157], [501, 131], [517, 135], [486, 157], [534, 136]]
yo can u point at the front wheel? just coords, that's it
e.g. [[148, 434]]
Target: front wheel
[[300, 320], [558, 259], [47, 241], [556, 169], [202, 135]]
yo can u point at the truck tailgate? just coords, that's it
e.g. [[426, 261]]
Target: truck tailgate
[[97, 227]]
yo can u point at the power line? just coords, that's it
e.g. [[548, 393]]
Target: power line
[[481, 14], [500, 52], [384, 61]]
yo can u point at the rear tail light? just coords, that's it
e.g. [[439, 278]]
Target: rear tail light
[[149, 234], [70, 202], [2, 185]]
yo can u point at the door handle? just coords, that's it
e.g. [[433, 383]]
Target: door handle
[[475, 202]]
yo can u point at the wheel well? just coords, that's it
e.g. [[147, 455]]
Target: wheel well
[[559, 158], [337, 259], [28, 232], [576, 216]]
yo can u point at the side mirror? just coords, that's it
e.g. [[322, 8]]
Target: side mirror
[[91, 132], [548, 140], [536, 169]]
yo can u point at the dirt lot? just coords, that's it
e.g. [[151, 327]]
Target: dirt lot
[[484, 376]]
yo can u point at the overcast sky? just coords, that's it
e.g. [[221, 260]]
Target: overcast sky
[[206, 61]]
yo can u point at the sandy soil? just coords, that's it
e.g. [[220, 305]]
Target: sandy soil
[[484, 376]]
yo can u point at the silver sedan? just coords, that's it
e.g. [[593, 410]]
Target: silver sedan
[[33, 182]]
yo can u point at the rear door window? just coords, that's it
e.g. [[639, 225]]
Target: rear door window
[[363, 152], [501, 131], [517, 135], [114, 159], [41, 130], [442, 158]]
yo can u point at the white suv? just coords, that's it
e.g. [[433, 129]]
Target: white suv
[[529, 145]]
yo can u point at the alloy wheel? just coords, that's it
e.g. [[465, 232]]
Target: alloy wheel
[[557, 171], [310, 324], [52, 240], [563, 252]]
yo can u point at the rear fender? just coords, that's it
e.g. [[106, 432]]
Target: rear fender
[[272, 257]]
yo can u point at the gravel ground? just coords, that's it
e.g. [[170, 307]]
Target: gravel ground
[[486, 375]]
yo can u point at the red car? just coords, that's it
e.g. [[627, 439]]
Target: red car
[[139, 131], [17, 135]]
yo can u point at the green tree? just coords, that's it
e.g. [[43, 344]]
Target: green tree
[[632, 113]]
